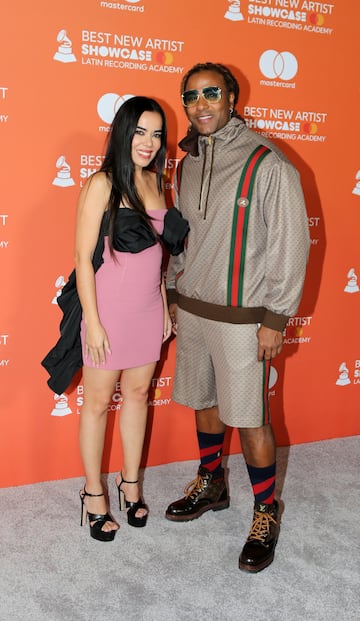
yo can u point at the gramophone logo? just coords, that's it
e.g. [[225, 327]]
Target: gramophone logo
[[64, 52], [63, 177], [233, 12], [61, 407], [343, 379], [352, 283]]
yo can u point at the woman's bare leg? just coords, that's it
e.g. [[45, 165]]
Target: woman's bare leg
[[99, 386], [134, 386]]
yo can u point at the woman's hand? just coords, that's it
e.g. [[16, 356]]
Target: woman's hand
[[173, 317], [167, 326], [96, 344]]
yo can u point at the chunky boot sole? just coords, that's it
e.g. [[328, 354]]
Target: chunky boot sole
[[260, 566], [216, 506], [255, 568]]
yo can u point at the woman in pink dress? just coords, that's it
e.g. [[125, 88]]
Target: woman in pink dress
[[125, 315]]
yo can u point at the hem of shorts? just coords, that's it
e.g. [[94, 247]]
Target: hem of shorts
[[235, 426], [186, 405]]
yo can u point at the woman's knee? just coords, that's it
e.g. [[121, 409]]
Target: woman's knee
[[97, 404], [139, 393]]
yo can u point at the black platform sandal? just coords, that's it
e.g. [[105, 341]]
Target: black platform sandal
[[98, 519], [132, 507]]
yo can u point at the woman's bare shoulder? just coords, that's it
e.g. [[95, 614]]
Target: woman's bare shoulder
[[98, 185]]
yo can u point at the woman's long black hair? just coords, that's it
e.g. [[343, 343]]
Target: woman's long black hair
[[118, 163]]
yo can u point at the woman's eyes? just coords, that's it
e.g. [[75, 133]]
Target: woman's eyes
[[141, 132]]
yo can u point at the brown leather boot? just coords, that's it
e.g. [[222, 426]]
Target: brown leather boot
[[202, 494], [258, 551]]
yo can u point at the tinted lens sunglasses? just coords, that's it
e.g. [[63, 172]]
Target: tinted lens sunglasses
[[211, 94]]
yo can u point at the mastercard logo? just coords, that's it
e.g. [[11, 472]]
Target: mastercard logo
[[310, 128], [165, 58], [316, 19], [109, 104]]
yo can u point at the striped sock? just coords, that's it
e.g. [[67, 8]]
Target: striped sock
[[211, 448], [263, 482]]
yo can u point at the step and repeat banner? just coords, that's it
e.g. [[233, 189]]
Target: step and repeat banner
[[65, 70]]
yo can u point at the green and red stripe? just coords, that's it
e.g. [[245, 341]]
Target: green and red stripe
[[265, 392], [240, 226]]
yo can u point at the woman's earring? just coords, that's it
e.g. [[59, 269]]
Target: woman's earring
[[189, 128], [231, 112]]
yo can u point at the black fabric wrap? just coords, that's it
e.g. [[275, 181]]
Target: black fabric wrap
[[65, 358], [176, 229], [132, 233]]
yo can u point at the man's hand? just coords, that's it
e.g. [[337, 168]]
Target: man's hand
[[270, 343]]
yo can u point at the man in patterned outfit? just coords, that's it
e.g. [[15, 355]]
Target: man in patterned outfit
[[231, 294]]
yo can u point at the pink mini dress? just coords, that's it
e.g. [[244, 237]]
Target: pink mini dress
[[130, 304]]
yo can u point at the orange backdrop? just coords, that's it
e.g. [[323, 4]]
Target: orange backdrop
[[65, 71]]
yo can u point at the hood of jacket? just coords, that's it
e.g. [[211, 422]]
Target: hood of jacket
[[190, 143]]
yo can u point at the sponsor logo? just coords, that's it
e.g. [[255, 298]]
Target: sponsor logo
[[132, 5], [61, 406], [279, 68], [64, 53], [299, 15], [89, 163], [3, 94], [356, 188], [130, 51], [109, 104], [233, 12], [63, 177], [296, 329], [352, 282], [346, 376], [122, 51], [287, 124]]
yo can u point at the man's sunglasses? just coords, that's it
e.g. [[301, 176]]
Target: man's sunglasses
[[211, 94]]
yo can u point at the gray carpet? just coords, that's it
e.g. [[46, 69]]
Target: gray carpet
[[51, 570]]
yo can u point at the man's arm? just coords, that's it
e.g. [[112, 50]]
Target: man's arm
[[287, 251]]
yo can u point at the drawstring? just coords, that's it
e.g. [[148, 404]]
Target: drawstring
[[202, 179], [212, 142]]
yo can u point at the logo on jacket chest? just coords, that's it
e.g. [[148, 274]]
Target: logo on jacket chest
[[242, 202]]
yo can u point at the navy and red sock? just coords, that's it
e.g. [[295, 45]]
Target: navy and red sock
[[211, 448], [263, 482]]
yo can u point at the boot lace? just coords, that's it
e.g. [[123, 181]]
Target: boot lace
[[194, 487], [260, 528]]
